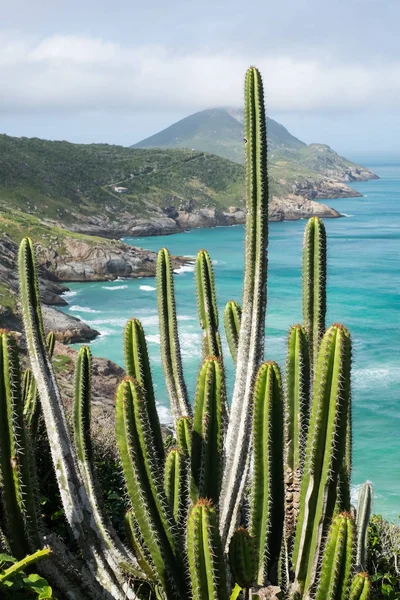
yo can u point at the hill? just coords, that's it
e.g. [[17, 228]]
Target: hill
[[114, 191], [304, 169]]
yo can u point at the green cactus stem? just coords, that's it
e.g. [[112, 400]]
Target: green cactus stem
[[252, 328], [243, 558], [360, 587], [176, 483], [267, 488], [136, 543], [24, 564], [337, 560], [296, 403], [314, 283], [364, 508], [135, 441], [207, 305], [325, 452], [30, 394], [184, 429], [169, 340], [232, 320], [137, 365], [208, 430], [206, 560], [18, 481]]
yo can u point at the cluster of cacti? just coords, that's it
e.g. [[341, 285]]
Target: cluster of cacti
[[252, 494]]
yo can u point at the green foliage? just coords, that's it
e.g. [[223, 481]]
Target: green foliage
[[16, 584], [383, 558]]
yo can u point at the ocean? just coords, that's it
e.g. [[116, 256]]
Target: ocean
[[363, 293]]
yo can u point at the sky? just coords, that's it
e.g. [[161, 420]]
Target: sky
[[119, 71]]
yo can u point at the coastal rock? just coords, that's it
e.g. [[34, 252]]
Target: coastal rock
[[294, 207], [67, 329]]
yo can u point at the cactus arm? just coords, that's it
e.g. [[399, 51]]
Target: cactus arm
[[184, 429], [314, 283], [31, 401], [18, 482], [137, 365], [337, 560], [360, 587], [252, 329], [176, 484], [145, 488], [135, 542], [208, 430], [296, 407], [24, 563], [267, 491], [206, 561], [207, 305], [232, 320], [73, 494], [170, 348], [324, 452], [364, 508]]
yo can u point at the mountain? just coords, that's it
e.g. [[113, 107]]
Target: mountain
[[313, 170]]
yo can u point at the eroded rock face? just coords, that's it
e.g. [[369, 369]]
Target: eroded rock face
[[67, 329]]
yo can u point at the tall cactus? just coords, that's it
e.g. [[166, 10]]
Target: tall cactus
[[206, 560], [267, 489], [314, 283], [252, 329], [337, 560], [207, 305], [208, 430], [296, 402], [176, 483], [170, 347], [364, 508], [325, 452]]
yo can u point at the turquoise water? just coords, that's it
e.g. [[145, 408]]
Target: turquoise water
[[363, 293]]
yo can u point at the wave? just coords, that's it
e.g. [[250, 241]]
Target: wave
[[346, 215], [184, 269], [69, 294], [382, 377], [185, 318], [114, 287], [164, 414], [83, 309], [147, 288]]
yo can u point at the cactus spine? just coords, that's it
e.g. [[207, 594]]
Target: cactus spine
[[364, 508], [297, 399], [314, 284], [170, 347], [360, 587], [324, 452], [208, 430], [337, 560], [184, 434], [176, 483], [243, 558], [267, 490], [252, 329], [232, 320], [206, 560], [207, 305]]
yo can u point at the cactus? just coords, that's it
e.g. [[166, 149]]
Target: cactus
[[206, 560], [207, 305], [184, 429], [296, 400], [324, 452], [252, 328], [176, 483], [314, 284], [360, 587], [232, 320], [208, 431], [170, 348], [243, 558], [337, 560], [267, 488], [364, 508]]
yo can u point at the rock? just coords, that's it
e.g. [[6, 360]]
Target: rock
[[67, 329], [294, 207]]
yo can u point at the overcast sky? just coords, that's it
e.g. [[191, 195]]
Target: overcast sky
[[118, 71]]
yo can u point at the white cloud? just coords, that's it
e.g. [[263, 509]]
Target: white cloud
[[70, 73]]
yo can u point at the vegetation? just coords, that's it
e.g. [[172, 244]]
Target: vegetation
[[200, 523]]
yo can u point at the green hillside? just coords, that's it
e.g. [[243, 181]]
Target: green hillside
[[218, 131], [59, 180]]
